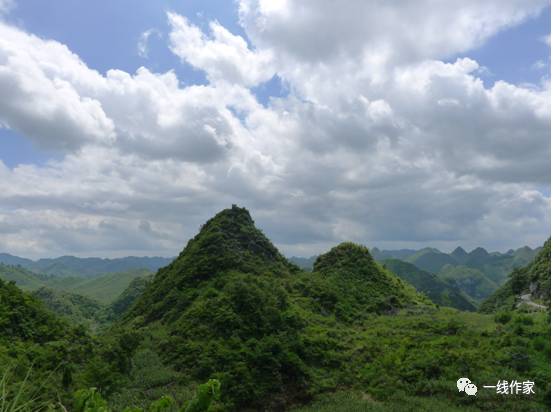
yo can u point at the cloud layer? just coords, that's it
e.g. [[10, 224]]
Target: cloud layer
[[380, 140]]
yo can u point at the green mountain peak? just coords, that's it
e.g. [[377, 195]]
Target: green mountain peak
[[227, 243], [230, 241], [346, 256]]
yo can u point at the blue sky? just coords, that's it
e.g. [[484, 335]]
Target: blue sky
[[298, 75]]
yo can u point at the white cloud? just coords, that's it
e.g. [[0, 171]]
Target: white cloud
[[39, 97], [324, 30], [223, 56], [51, 96], [378, 141], [142, 45]]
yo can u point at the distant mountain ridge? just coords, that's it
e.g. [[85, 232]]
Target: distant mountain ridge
[[303, 262], [527, 287], [104, 288], [477, 273], [439, 291], [71, 266], [433, 260]]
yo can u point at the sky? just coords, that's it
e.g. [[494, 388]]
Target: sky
[[125, 125]]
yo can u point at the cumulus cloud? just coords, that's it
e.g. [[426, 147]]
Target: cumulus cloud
[[223, 55], [142, 45], [38, 96], [379, 141], [51, 96], [323, 30]]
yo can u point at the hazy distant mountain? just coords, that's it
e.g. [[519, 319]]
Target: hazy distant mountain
[[431, 260], [105, 289], [439, 291], [470, 280], [85, 267], [304, 263], [479, 272], [391, 254], [24, 278], [459, 254], [477, 257]]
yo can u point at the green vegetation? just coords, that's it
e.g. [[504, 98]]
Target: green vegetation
[[439, 291], [75, 308], [477, 273], [471, 281], [24, 278], [431, 260], [304, 263], [90, 400], [104, 289], [533, 280], [360, 284], [231, 311], [127, 298], [71, 266]]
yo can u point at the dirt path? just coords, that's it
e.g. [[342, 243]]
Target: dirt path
[[526, 299]]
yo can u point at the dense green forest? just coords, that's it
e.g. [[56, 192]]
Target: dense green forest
[[232, 325]]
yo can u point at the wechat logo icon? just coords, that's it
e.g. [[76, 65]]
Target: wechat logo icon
[[465, 385]]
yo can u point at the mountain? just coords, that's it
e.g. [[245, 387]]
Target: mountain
[[431, 260], [22, 277], [76, 308], [363, 283], [460, 255], [493, 266], [401, 254], [232, 311], [44, 358], [528, 287], [227, 242], [471, 281], [439, 291], [524, 255], [104, 289], [303, 263], [71, 266], [225, 308], [23, 317], [128, 297], [7, 259], [497, 266], [477, 256], [233, 306]]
